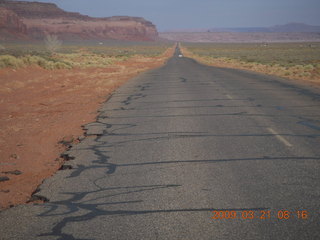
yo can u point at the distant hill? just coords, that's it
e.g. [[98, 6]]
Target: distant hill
[[33, 20], [294, 27], [291, 32], [240, 37]]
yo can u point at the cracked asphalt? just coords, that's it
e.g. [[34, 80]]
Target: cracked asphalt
[[187, 151]]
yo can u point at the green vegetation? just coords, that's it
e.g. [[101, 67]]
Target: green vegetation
[[75, 55], [293, 60]]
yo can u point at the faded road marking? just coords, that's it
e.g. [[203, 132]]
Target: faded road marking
[[280, 138], [230, 97]]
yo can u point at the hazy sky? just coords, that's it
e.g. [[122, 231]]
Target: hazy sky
[[183, 14]]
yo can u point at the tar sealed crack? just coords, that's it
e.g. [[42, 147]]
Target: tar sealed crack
[[66, 157], [38, 199], [65, 167]]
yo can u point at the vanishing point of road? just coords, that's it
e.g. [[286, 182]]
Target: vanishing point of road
[[187, 151]]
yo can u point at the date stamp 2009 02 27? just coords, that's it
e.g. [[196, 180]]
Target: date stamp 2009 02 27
[[262, 214]]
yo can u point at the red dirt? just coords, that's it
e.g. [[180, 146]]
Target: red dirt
[[39, 108]]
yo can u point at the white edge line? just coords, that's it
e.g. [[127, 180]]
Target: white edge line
[[280, 138]]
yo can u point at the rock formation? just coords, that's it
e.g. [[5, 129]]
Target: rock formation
[[47, 18], [11, 25]]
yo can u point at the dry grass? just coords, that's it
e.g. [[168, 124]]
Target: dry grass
[[76, 56], [292, 60]]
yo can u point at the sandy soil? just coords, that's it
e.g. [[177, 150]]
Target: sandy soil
[[312, 80], [40, 108]]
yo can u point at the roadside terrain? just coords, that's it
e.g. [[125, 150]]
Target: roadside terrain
[[296, 61], [45, 101], [291, 32], [240, 37], [187, 151]]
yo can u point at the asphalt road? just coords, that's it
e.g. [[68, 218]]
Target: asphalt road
[[188, 151]]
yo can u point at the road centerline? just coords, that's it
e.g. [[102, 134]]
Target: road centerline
[[280, 138], [229, 96]]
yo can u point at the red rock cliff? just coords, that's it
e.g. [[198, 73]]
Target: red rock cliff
[[43, 18], [11, 26]]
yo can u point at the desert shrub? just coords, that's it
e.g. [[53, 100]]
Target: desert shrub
[[287, 73], [61, 65], [30, 60], [306, 74], [50, 65], [298, 68], [16, 62], [85, 60], [10, 61], [309, 67]]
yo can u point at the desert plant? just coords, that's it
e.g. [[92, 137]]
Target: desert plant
[[61, 65], [30, 60], [10, 61], [52, 43]]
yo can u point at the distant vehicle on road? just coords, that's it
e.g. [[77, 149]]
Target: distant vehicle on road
[[180, 55]]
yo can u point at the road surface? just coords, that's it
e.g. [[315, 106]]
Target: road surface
[[188, 151]]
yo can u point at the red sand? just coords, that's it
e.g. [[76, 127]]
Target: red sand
[[39, 108]]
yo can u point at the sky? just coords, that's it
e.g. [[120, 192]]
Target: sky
[[201, 14]]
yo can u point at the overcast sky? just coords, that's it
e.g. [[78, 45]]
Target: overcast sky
[[184, 14]]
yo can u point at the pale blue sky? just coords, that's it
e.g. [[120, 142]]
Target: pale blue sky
[[184, 14]]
